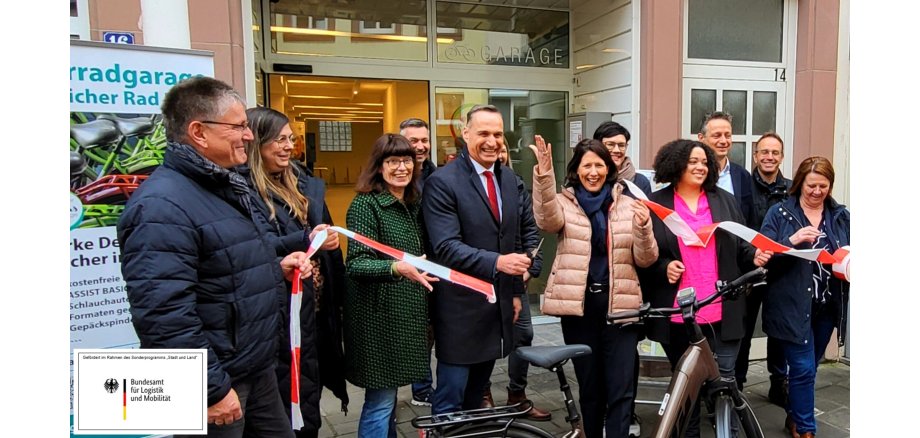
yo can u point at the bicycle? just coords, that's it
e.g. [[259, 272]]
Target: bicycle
[[697, 371], [500, 421]]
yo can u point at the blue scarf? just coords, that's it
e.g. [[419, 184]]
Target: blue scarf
[[596, 206]]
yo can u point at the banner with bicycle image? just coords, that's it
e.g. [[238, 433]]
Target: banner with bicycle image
[[117, 139]]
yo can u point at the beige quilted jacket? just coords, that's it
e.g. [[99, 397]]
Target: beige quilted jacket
[[628, 247]]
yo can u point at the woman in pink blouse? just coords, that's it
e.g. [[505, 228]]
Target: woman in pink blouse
[[690, 168]]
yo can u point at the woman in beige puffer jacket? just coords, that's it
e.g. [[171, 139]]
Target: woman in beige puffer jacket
[[603, 235]]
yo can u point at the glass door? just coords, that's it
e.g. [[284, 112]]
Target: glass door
[[525, 114], [756, 107]]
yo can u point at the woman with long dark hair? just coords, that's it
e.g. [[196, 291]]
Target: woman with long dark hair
[[386, 304]]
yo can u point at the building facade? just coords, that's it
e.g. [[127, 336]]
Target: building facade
[[347, 71]]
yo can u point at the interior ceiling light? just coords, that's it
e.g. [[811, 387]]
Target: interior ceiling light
[[304, 96], [342, 115], [580, 67], [328, 107], [338, 33], [369, 104], [609, 50], [305, 81], [364, 112]]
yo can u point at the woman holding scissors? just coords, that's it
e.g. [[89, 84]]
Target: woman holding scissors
[[804, 302]]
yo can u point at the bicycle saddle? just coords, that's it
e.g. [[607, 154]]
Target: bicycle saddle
[[129, 127], [550, 356], [95, 133], [77, 163]]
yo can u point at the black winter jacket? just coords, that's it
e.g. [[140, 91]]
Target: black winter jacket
[[321, 355], [765, 196], [200, 269]]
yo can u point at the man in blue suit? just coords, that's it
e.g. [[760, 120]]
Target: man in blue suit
[[716, 132], [471, 214]]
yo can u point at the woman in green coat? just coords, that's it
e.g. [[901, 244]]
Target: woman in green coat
[[386, 307]]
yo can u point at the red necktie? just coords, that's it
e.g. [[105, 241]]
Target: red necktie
[[493, 197]]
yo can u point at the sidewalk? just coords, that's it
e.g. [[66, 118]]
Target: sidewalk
[[832, 399]]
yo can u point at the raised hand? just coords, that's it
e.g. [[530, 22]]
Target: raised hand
[[543, 151]]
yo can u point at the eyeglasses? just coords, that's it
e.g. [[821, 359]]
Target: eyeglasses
[[394, 163], [289, 139], [614, 145], [236, 127]]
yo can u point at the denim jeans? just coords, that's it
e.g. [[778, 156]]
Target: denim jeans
[[823, 322], [423, 388], [378, 416], [802, 372], [460, 386], [523, 337], [726, 355]]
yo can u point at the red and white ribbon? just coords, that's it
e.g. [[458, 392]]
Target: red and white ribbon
[[296, 299], [294, 328], [421, 264], [840, 259]]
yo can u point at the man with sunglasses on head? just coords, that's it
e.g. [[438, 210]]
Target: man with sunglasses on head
[[201, 268]]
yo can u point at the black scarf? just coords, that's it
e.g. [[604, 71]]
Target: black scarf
[[207, 167], [596, 206]]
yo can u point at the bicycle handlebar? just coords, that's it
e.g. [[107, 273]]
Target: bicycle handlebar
[[731, 288]]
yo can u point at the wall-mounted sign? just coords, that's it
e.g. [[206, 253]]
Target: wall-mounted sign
[[118, 37], [123, 78], [524, 56]]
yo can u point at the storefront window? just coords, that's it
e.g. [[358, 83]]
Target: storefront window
[[351, 28], [525, 113], [737, 31], [501, 35]]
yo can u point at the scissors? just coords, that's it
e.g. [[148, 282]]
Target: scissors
[[532, 254]]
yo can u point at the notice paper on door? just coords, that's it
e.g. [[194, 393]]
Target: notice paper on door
[[118, 391]]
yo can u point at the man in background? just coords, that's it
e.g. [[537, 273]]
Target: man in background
[[716, 132], [770, 187]]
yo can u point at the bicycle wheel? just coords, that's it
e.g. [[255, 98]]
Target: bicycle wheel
[[726, 413], [749, 424], [494, 430], [724, 408]]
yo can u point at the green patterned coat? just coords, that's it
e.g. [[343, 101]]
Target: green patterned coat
[[385, 316]]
